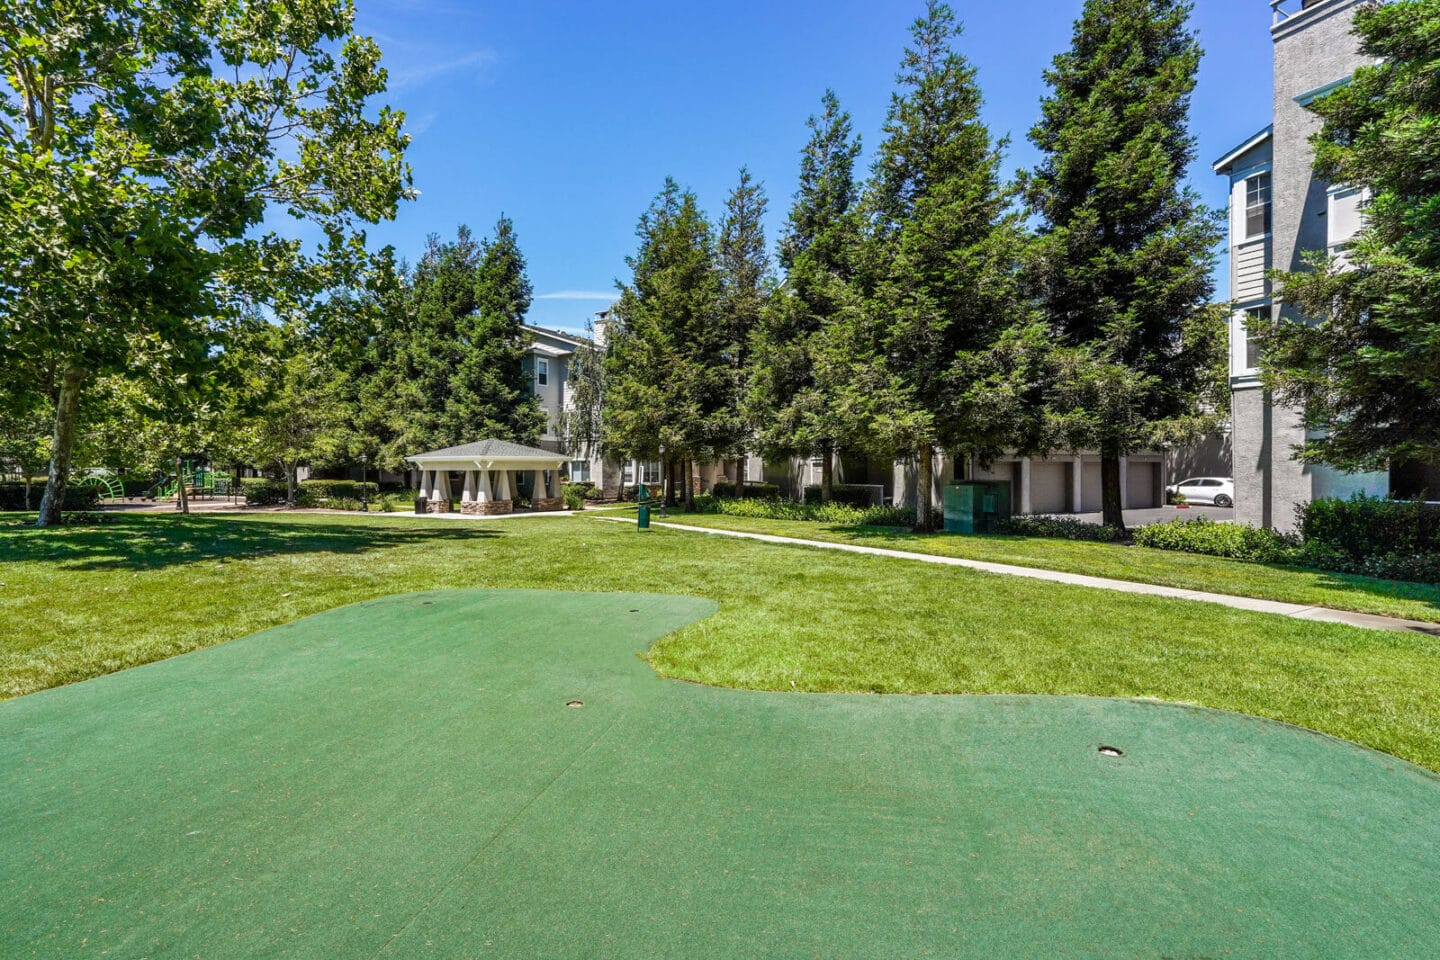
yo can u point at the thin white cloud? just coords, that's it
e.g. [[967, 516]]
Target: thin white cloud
[[578, 295], [410, 76]]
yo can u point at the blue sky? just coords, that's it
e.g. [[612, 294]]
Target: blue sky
[[568, 116]]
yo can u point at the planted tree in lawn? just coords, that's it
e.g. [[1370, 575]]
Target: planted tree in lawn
[[938, 265], [667, 380], [790, 400], [746, 283], [461, 359], [145, 143], [1125, 249], [1365, 366]]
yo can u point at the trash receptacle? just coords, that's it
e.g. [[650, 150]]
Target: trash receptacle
[[642, 502], [644, 521], [422, 505]]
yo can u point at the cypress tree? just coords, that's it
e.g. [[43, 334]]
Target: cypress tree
[[1125, 250], [746, 282], [938, 265], [789, 399]]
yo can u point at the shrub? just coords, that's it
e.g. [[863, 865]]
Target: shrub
[[776, 509], [1364, 527], [1233, 540], [574, 495], [264, 492], [12, 497], [762, 491], [351, 489], [855, 494], [341, 503], [1063, 528]]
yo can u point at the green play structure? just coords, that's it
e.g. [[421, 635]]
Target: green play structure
[[200, 482]]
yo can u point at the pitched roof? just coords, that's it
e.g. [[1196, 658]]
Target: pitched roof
[[488, 450], [1254, 140]]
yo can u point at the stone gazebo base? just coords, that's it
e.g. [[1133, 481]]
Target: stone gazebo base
[[489, 508], [547, 503], [438, 506]]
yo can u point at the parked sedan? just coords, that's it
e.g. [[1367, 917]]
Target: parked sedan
[[1217, 490]]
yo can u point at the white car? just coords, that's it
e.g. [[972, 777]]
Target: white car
[[1217, 490]]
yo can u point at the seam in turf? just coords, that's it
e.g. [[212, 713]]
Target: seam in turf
[[489, 841]]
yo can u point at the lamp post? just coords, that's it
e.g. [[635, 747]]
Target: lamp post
[[364, 497], [664, 493]]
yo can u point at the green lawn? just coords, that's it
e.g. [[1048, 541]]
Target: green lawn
[[77, 602], [1189, 571]]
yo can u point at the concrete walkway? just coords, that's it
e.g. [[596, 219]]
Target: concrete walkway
[[1295, 610]]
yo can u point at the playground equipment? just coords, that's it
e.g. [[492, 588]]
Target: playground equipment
[[201, 482], [110, 488]]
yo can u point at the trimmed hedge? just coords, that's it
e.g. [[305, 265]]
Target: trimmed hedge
[[1371, 527], [574, 494], [776, 509], [1233, 540], [12, 496], [854, 494], [725, 490], [1062, 528], [1356, 528], [265, 492]]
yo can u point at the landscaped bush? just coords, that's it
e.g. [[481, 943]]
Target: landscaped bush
[[776, 509], [12, 496], [574, 495], [760, 491], [351, 489], [1364, 527], [264, 492], [1234, 540], [856, 495], [1063, 528]]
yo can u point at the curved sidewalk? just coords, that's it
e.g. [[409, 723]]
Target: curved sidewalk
[[1296, 610]]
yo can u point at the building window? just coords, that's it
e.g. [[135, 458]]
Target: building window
[[542, 372], [627, 476], [650, 472], [579, 471], [1257, 321], [1257, 205]]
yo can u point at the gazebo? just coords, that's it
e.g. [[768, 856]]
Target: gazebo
[[490, 470]]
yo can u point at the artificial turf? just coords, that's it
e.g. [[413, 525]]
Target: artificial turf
[[403, 778]]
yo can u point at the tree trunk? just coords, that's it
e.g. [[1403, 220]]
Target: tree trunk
[[739, 473], [667, 469], [290, 472], [1112, 514], [67, 407], [689, 481], [182, 495], [924, 515], [827, 471]]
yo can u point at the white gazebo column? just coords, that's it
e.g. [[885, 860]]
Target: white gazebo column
[[467, 497], [442, 502], [1025, 486]]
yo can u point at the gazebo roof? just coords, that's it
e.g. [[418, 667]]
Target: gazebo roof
[[491, 453]]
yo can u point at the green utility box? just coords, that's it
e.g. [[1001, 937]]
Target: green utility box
[[975, 506]]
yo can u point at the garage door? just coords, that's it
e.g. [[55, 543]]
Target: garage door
[[1090, 488], [1141, 485], [1049, 487]]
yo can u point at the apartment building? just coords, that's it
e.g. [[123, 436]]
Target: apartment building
[[1279, 211]]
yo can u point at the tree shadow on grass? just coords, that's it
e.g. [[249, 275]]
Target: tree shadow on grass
[[154, 542]]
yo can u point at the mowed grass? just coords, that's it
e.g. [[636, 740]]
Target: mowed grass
[[1189, 571], [77, 602]]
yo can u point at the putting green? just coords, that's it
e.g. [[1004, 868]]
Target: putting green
[[403, 778]]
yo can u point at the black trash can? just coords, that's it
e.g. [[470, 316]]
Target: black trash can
[[421, 505]]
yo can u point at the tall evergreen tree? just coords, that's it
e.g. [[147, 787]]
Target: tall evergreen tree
[[788, 398], [1125, 249], [1368, 373], [461, 358], [667, 381], [746, 282], [938, 270]]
